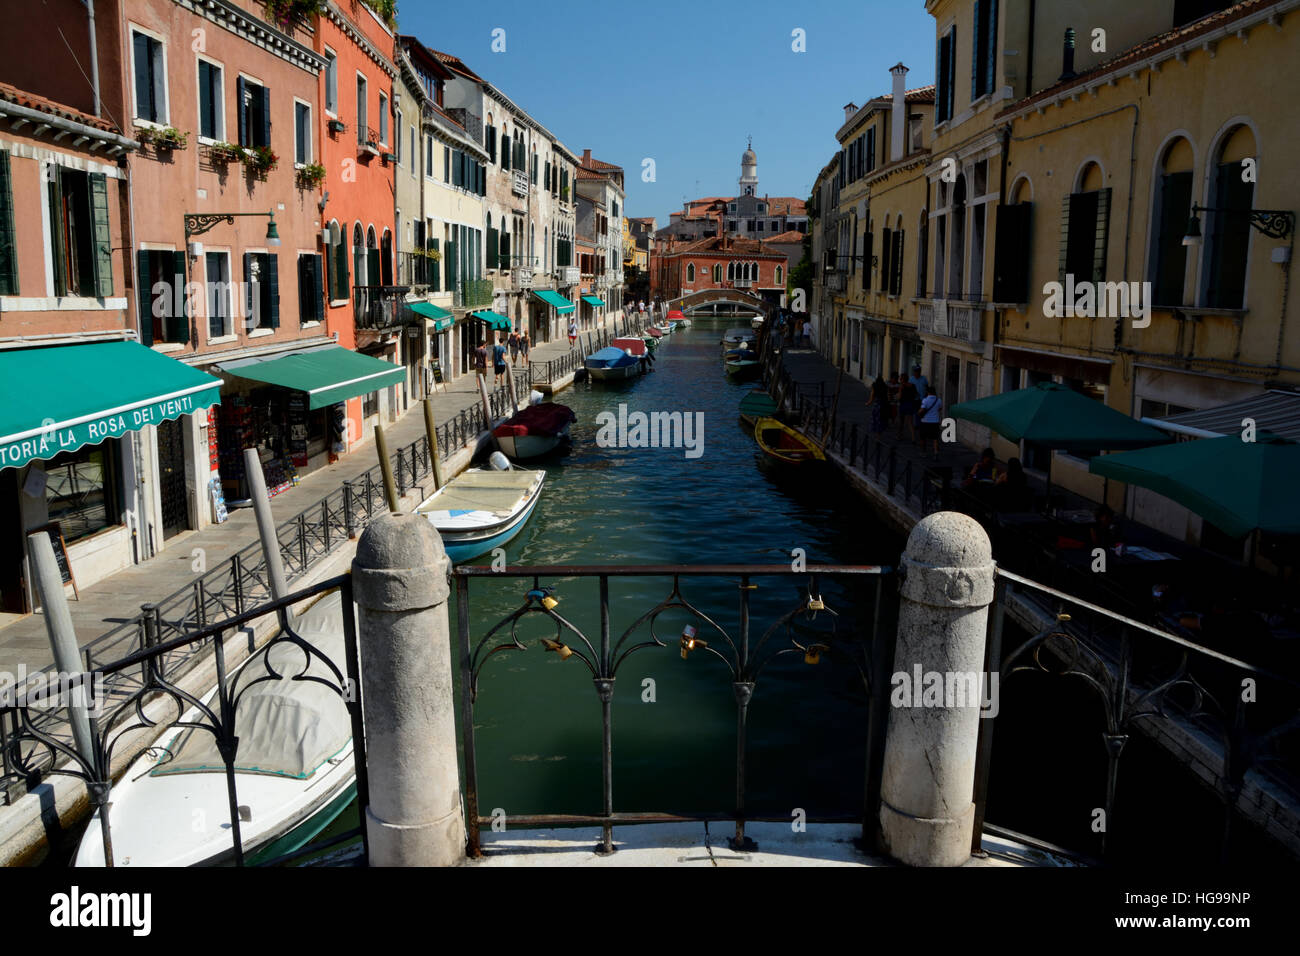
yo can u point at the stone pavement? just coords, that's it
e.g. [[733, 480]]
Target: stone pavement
[[118, 598]]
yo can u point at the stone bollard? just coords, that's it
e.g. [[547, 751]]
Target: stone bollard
[[399, 580], [926, 809]]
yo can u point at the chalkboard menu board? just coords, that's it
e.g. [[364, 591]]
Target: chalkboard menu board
[[296, 416], [437, 372], [55, 532]]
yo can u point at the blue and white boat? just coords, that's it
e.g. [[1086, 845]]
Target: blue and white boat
[[482, 508], [612, 363]]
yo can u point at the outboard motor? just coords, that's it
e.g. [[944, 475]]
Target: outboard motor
[[536, 397], [499, 462]]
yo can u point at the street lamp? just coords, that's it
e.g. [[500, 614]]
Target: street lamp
[[197, 223], [1274, 223]]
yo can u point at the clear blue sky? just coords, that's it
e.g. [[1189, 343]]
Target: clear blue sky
[[685, 81]]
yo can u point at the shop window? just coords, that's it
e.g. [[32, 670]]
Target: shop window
[[82, 489], [262, 290], [254, 113], [220, 318], [80, 241], [150, 73], [369, 404], [161, 299]]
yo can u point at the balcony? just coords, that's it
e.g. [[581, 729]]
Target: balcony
[[417, 270], [519, 185], [834, 282], [951, 320], [380, 307], [742, 283], [473, 294], [567, 275], [367, 142]]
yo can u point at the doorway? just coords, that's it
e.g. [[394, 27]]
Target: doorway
[[13, 596], [952, 382], [171, 477]]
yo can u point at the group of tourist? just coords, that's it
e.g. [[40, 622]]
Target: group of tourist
[[910, 402], [515, 344]]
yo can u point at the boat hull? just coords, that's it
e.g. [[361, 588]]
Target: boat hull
[[530, 446], [618, 373], [784, 445], [743, 370], [466, 543]]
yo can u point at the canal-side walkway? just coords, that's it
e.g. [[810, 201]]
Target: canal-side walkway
[[24, 643]]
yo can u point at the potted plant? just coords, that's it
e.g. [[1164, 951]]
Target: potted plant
[[564, 193], [311, 175], [337, 126], [164, 137], [261, 159], [225, 153], [286, 13], [429, 253]]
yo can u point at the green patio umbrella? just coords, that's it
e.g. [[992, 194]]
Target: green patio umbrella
[[1056, 416], [1240, 486]]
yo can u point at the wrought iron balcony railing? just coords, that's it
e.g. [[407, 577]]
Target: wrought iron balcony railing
[[418, 270], [381, 306]]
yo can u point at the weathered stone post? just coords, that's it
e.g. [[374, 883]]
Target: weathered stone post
[[399, 579], [926, 809]]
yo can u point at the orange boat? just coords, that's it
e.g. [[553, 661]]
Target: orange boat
[[782, 443]]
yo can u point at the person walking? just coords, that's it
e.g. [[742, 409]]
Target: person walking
[[908, 402], [922, 386], [480, 358], [573, 332], [879, 405], [514, 346], [930, 410], [523, 344], [499, 358]]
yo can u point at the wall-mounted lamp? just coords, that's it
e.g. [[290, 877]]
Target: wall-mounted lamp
[[197, 223], [1274, 223]]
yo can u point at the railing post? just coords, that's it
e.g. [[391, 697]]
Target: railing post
[[408, 695], [926, 810], [853, 445], [347, 508]]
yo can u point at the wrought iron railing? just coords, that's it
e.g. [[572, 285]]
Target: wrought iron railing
[[240, 583], [143, 685], [810, 627], [417, 269], [381, 306]]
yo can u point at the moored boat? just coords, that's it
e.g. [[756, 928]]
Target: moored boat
[[630, 344], [482, 508], [737, 338], [757, 404], [653, 331], [535, 430], [610, 364], [678, 317], [783, 444], [294, 771], [756, 323], [742, 364]]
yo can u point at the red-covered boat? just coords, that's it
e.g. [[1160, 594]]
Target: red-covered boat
[[535, 430]]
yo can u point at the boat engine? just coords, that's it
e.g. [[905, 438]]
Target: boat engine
[[499, 462]]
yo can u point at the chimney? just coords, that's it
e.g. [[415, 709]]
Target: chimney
[[898, 113], [1067, 57], [849, 110], [586, 157]]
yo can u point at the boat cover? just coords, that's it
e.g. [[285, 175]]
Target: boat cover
[[286, 727], [544, 418], [758, 404], [635, 346], [610, 357], [654, 333], [498, 493]]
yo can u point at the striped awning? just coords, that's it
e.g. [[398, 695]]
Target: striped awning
[[1272, 411]]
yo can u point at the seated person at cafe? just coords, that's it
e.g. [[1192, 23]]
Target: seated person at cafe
[[1012, 488], [982, 470], [1103, 531]]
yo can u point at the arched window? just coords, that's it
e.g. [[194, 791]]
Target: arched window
[[386, 258], [731, 272], [690, 272], [1227, 232], [717, 272], [778, 275], [1171, 197]]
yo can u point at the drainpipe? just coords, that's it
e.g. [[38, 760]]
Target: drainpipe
[[94, 52]]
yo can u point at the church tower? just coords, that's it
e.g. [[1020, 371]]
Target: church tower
[[749, 171]]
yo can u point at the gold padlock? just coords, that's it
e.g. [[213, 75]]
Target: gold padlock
[[816, 603], [549, 602]]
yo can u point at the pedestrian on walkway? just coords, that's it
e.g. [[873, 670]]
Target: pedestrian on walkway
[[499, 358], [523, 344], [931, 408], [573, 332], [908, 402], [879, 405], [480, 358], [514, 346], [922, 386]]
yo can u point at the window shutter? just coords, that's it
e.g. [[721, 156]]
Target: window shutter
[[57, 234], [493, 248], [940, 64], [143, 80], [450, 258], [143, 298], [372, 268], [8, 241], [505, 151], [1102, 235], [868, 243], [265, 94], [923, 259], [178, 325], [434, 274], [991, 41], [1229, 238], [304, 283], [952, 71], [1065, 237], [1011, 253], [273, 288], [896, 280], [886, 264], [317, 289], [1171, 254], [251, 307], [101, 236], [976, 61], [240, 105]]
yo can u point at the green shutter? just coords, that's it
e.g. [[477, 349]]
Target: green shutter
[[340, 271], [991, 40], [1171, 254], [273, 283], [101, 236], [976, 61], [143, 302], [178, 326], [493, 249], [57, 235], [317, 289], [241, 111], [8, 241], [435, 274], [1102, 236], [449, 259]]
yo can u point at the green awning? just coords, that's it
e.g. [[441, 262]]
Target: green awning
[[65, 396], [442, 319], [593, 300], [562, 305], [494, 320], [1056, 416], [328, 376]]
